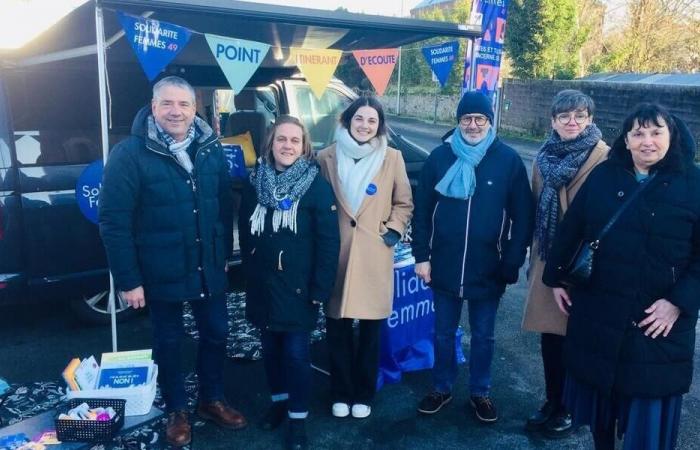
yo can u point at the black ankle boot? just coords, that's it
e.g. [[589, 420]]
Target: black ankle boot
[[296, 435], [559, 426], [274, 416], [537, 421]]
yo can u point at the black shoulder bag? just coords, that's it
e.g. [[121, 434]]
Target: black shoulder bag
[[579, 270]]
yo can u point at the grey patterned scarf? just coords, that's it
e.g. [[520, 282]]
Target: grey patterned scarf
[[281, 193], [558, 161], [178, 149]]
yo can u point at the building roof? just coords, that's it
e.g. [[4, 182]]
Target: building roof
[[679, 79], [429, 3]]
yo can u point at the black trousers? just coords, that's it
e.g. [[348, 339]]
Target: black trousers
[[354, 366], [553, 361]]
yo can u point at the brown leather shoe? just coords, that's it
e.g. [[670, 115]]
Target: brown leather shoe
[[221, 414], [178, 431]]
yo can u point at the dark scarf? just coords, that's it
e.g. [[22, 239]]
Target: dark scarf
[[281, 193], [558, 162]]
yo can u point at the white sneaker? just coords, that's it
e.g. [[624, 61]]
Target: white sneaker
[[341, 410], [360, 411]]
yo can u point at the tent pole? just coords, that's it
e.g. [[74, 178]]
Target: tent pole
[[102, 69]]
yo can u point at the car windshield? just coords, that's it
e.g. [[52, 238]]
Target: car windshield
[[319, 115]]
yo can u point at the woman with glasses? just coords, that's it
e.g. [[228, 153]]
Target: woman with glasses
[[374, 207], [574, 147], [630, 340]]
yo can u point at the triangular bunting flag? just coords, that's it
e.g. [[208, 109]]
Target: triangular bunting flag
[[155, 43], [441, 58], [238, 59], [317, 66], [377, 66]]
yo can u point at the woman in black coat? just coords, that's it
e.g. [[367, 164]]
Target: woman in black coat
[[631, 332], [288, 228]]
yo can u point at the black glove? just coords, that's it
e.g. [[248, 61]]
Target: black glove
[[510, 273], [391, 237]]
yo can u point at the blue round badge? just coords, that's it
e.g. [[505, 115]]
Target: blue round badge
[[285, 204], [371, 189]]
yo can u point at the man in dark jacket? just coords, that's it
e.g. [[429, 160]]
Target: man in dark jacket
[[166, 221], [472, 226]]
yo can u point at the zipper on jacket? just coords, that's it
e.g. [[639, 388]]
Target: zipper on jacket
[[466, 244], [500, 236], [189, 175], [432, 230]]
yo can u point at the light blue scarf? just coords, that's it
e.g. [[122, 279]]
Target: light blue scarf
[[460, 180]]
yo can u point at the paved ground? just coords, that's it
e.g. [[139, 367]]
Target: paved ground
[[428, 135], [37, 343]]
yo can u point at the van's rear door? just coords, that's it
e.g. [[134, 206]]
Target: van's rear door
[[56, 134]]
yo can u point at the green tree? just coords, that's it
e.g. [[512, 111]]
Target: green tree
[[543, 38]]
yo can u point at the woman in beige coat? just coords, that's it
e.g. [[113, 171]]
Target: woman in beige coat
[[573, 149], [375, 206]]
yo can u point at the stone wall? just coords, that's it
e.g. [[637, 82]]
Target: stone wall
[[526, 104], [423, 106]]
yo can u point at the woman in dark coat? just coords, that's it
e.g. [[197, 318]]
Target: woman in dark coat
[[631, 331], [288, 227]]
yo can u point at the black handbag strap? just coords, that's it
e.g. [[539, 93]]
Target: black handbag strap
[[621, 209]]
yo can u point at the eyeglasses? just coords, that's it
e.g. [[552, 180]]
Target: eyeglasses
[[480, 121], [565, 118]]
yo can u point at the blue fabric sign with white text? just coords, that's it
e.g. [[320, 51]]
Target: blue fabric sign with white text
[[235, 160], [407, 334], [441, 58], [155, 43], [87, 190]]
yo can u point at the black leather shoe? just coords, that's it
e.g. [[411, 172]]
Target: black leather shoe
[[537, 421], [559, 426], [296, 435], [274, 416]]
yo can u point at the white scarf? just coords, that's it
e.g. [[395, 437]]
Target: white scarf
[[355, 177]]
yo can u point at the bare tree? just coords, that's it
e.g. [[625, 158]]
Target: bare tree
[[660, 36]]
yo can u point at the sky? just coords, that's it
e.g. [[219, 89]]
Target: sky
[[21, 20]]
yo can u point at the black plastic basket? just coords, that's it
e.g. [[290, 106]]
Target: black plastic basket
[[90, 430]]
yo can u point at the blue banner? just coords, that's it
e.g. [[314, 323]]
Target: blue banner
[[482, 68], [407, 334], [441, 58], [155, 43], [235, 160], [87, 190]]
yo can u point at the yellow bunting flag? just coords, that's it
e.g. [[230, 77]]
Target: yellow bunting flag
[[377, 66], [317, 66]]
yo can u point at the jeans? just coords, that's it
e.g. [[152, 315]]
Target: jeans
[[353, 367], [211, 318], [288, 367], [482, 321]]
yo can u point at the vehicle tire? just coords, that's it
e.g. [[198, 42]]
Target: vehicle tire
[[93, 308]]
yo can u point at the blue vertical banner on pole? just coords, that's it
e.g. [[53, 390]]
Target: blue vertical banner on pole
[[441, 58], [481, 72], [156, 43]]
